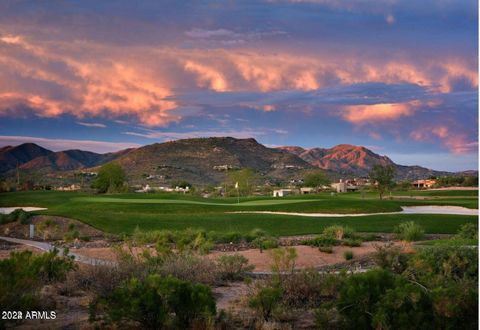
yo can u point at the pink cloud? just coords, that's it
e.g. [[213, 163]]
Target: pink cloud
[[108, 81], [455, 142], [361, 114]]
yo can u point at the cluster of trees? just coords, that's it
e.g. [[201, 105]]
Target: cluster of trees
[[111, 178], [463, 181]]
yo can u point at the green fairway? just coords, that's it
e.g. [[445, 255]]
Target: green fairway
[[122, 213], [186, 201]]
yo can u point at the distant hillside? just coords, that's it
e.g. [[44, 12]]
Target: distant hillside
[[205, 160], [10, 156], [353, 160], [34, 158]]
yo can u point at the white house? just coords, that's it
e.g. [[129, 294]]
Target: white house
[[282, 192], [306, 190]]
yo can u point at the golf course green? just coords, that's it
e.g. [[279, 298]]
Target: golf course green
[[122, 213]]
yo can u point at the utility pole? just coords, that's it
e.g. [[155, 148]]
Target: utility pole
[[18, 175]]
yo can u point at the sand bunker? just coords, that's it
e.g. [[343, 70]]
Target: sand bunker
[[427, 209], [8, 210]]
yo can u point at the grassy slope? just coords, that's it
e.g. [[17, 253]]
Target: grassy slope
[[122, 213]]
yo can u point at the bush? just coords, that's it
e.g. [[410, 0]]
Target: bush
[[338, 232], [265, 301], [390, 257], [17, 215], [189, 267], [71, 235], [265, 243], [409, 231], [359, 296], [439, 265], [326, 249], [352, 242], [283, 260], [308, 288], [348, 255], [23, 274], [184, 240], [158, 303], [321, 241], [233, 267], [468, 231]]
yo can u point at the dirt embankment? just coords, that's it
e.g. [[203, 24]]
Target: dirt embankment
[[51, 228]]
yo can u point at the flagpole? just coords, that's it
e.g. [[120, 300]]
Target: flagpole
[[238, 193]]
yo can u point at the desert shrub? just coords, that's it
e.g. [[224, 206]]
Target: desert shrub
[[265, 301], [348, 255], [23, 274], [283, 260], [23, 217], [308, 288], [233, 267], [352, 242], [265, 243], [100, 280], [359, 296], [390, 257], [409, 231], [369, 237], [183, 240], [158, 303], [326, 249], [256, 232], [16, 215], [455, 305], [338, 232], [439, 265], [47, 228], [468, 231], [404, 306], [320, 241], [189, 267], [437, 290], [230, 237], [71, 235]]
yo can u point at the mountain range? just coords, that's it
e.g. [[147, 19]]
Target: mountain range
[[205, 161]]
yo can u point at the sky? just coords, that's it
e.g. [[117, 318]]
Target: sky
[[396, 76]]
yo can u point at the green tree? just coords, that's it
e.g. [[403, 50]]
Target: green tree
[[383, 175], [111, 178], [315, 179], [246, 181], [158, 303]]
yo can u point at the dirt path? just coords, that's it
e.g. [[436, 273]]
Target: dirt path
[[48, 247]]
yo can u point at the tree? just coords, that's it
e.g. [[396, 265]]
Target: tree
[[111, 178], [158, 303], [383, 175], [315, 179], [246, 181]]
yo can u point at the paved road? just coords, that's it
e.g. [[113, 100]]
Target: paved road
[[49, 247]]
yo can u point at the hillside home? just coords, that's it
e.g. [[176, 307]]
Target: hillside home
[[424, 183], [344, 186], [282, 192], [307, 190], [72, 187]]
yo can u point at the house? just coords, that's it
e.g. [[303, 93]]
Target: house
[[345, 186], [428, 183], [306, 190], [145, 189], [282, 192]]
